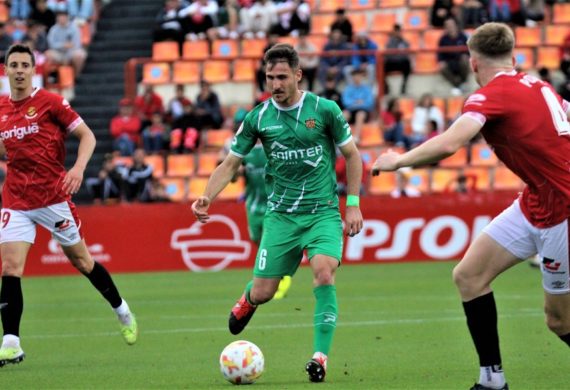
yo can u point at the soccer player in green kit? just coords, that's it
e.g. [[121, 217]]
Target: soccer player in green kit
[[299, 132]]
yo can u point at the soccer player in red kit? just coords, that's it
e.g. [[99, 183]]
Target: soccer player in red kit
[[38, 189], [526, 123]]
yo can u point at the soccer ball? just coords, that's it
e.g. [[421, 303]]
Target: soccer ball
[[241, 362]]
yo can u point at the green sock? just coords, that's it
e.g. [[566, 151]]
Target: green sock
[[248, 290], [326, 311]]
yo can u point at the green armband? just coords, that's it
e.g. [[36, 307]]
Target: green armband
[[352, 201]]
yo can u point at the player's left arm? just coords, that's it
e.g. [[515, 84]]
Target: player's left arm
[[435, 149], [74, 177], [353, 217]]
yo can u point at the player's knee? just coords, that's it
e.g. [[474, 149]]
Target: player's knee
[[323, 277], [555, 322], [468, 285]]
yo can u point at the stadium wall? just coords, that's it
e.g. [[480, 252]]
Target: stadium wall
[[166, 237]]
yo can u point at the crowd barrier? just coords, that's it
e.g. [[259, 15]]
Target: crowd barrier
[[166, 237]]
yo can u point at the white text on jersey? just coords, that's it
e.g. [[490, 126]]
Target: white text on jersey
[[19, 132]]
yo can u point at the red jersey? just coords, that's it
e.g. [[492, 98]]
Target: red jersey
[[33, 131], [525, 122]]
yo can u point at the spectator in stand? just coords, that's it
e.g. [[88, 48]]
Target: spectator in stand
[[308, 59], [500, 11], [364, 62], [358, 102], [257, 20], [331, 92], [207, 111], [42, 15], [404, 189], [80, 10], [108, 185], [464, 183], [64, 41], [228, 22], [342, 23], [175, 108], [125, 128], [454, 66], [333, 65], [37, 34], [184, 137], [565, 56], [293, 16], [155, 134], [139, 178], [424, 113], [147, 104], [393, 125], [39, 57], [167, 25], [441, 11], [197, 18], [474, 13], [5, 41], [20, 10], [397, 62]]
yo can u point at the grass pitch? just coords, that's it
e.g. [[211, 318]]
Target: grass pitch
[[401, 326]]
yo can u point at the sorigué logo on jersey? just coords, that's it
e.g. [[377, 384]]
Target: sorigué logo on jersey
[[19, 132]]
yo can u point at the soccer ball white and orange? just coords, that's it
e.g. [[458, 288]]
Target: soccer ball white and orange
[[241, 362]]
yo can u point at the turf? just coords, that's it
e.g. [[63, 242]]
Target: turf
[[401, 326]]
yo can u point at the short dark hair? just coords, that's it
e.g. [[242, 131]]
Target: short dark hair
[[19, 48], [282, 52]]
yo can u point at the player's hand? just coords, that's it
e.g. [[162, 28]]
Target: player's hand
[[200, 208], [352, 221], [72, 181], [387, 161]]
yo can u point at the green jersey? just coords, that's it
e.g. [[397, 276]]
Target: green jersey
[[299, 142], [254, 173]]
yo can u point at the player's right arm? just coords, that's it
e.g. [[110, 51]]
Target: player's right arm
[[220, 178]]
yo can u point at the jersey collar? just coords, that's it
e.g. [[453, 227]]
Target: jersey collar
[[34, 91], [512, 72], [294, 106]]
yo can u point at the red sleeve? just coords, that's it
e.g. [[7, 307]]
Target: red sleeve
[[486, 101], [63, 114]]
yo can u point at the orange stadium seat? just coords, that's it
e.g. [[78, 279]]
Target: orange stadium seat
[[415, 20], [441, 179], [175, 188], [331, 5], [380, 38], [66, 76], [483, 155], [207, 162], [528, 36], [165, 51], [413, 38], [233, 190], [383, 22], [483, 177], [156, 73], [195, 50], [431, 38], [505, 179], [321, 23], [371, 135], [244, 70], [524, 58], [225, 48], [216, 71], [180, 165], [86, 35], [318, 40], [561, 13], [217, 138], [420, 3], [439, 102], [453, 107], [358, 5], [555, 34], [457, 160], [407, 107], [548, 57], [253, 47], [4, 13], [288, 39], [124, 161], [369, 155], [185, 72], [359, 21], [382, 184], [157, 163], [196, 187], [419, 179], [391, 4], [312, 4], [426, 63]]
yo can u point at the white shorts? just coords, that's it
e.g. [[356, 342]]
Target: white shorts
[[515, 233], [60, 219]]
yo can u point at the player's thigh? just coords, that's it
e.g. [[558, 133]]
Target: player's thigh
[[553, 249], [13, 255], [62, 221], [255, 226], [322, 234], [280, 250]]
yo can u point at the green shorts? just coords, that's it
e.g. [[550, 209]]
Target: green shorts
[[255, 226], [285, 236]]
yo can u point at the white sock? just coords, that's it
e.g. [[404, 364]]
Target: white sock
[[321, 357], [124, 313], [492, 376], [10, 341]]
